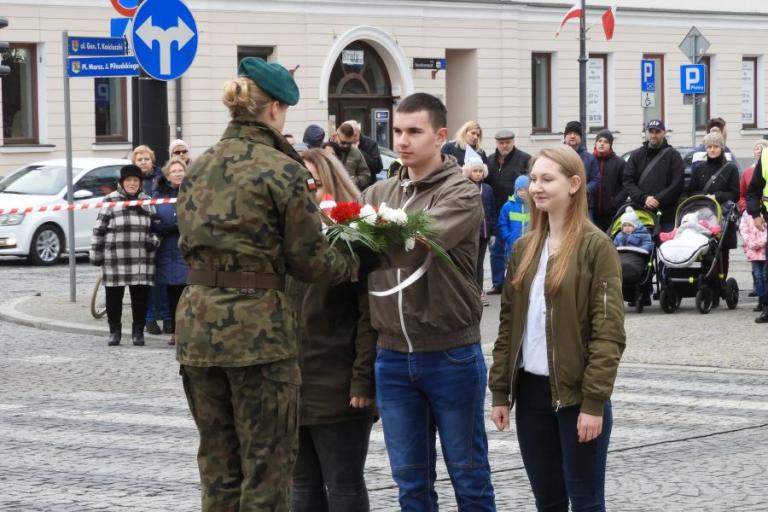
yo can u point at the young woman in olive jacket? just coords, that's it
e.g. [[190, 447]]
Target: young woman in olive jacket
[[337, 350], [561, 336]]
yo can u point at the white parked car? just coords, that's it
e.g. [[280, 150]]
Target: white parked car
[[40, 236]]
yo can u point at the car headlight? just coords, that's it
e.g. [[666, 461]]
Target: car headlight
[[11, 219]]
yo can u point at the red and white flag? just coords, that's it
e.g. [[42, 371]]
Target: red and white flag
[[573, 12], [609, 22]]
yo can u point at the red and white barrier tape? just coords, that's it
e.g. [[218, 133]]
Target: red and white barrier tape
[[86, 206]]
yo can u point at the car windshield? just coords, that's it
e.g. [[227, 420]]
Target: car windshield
[[44, 180]]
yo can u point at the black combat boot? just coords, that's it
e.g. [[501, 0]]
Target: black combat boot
[[763, 318], [169, 327], [115, 332], [137, 335]]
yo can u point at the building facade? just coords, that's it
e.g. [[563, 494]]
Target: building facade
[[497, 62]]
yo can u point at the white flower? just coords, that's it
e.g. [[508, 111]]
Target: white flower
[[393, 215], [368, 214], [353, 225], [410, 243]]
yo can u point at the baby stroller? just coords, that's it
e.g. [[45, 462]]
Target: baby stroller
[[691, 264], [637, 265]]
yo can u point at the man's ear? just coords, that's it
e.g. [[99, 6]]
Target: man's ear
[[442, 135]]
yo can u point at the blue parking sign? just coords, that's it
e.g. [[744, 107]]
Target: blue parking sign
[[693, 79], [164, 38], [648, 75]]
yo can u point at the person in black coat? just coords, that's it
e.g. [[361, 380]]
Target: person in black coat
[[369, 148], [661, 188], [717, 178], [504, 166], [757, 198], [470, 134], [610, 194]]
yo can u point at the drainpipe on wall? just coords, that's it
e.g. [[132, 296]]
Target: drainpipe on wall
[[178, 108]]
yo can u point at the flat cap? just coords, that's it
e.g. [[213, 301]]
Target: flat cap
[[506, 133], [272, 78]]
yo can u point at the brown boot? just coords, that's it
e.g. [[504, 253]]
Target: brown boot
[[172, 341]]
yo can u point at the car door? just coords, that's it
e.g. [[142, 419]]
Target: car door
[[99, 182]]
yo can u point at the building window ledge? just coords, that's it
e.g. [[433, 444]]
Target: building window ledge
[[753, 131], [545, 136], [28, 148], [111, 146]]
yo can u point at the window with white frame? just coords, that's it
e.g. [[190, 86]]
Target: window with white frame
[[20, 94]]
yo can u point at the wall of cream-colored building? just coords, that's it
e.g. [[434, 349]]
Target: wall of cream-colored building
[[303, 33]]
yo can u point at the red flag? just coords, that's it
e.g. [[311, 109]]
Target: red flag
[[573, 12], [609, 22]]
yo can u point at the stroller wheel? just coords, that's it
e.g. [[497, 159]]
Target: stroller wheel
[[704, 300], [669, 300], [731, 293]]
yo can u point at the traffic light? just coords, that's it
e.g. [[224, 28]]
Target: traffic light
[[4, 70]]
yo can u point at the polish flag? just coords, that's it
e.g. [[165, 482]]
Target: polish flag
[[609, 22], [573, 12]]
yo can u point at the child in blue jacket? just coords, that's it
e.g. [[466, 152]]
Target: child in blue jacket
[[514, 216], [633, 233]]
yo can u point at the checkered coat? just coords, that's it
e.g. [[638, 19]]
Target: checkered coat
[[122, 244]]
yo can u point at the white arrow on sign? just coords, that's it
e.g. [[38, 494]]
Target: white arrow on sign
[[150, 33]]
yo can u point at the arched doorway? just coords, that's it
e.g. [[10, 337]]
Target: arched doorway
[[360, 89]]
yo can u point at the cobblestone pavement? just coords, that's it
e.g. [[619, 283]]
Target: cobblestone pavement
[[85, 427]]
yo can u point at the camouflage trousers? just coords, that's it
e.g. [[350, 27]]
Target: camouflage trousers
[[248, 423]]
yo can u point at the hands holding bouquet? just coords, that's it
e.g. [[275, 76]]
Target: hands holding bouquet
[[378, 228]]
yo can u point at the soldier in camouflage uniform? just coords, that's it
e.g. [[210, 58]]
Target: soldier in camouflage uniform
[[247, 218]]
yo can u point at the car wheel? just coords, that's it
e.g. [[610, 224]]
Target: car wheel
[[47, 245]]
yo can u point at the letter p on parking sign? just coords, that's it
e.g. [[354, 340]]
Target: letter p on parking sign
[[693, 79]]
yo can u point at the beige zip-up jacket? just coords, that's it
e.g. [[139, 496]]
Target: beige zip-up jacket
[[442, 309], [584, 327]]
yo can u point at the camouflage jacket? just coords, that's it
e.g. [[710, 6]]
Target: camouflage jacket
[[245, 205]]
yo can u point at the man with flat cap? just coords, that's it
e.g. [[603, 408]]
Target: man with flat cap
[[247, 218], [504, 166]]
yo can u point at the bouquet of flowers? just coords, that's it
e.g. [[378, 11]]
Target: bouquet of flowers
[[378, 228]]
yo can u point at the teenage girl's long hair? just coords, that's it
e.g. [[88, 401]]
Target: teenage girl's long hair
[[575, 221], [333, 175]]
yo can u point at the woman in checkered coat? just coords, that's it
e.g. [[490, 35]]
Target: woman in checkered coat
[[123, 246]]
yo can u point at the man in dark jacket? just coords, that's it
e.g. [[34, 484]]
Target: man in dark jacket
[[369, 148], [610, 193], [573, 135], [504, 167], [653, 176], [757, 207]]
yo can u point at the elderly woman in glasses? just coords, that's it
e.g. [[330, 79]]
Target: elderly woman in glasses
[[180, 149]]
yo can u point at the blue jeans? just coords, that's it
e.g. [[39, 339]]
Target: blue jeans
[[559, 468], [157, 308], [498, 262], [422, 393], [758, 275]]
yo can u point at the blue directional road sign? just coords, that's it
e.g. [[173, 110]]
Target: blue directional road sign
[[648, 75], [693, 79], [93, 67], [164, 38], [95, 46]]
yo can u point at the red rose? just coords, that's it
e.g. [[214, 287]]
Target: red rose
[[344, 213]]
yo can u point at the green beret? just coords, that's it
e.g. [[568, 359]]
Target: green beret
[[272, 78]]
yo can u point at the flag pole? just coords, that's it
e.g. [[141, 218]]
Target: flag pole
[[583, 72]]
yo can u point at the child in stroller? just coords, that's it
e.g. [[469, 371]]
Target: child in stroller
[[634, 243]]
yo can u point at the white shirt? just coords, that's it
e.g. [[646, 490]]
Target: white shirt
[[535, 334]]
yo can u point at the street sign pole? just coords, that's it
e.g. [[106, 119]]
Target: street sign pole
[[583, 73], [70, 186], [693, 96]]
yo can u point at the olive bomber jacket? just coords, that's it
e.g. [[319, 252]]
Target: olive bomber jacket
[[584, 327]]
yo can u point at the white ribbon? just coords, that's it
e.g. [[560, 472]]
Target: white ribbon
[[409, 281]]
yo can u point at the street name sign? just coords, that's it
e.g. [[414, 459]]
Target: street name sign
[[97, 67], [420, 63], [96, 46]]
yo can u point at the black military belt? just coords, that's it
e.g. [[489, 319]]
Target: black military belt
[[247, 282]]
